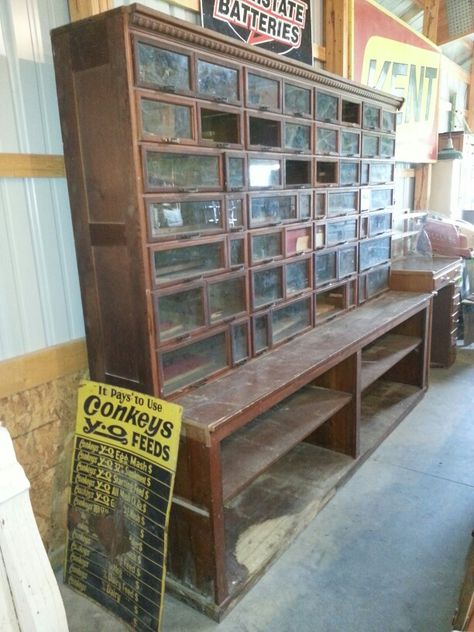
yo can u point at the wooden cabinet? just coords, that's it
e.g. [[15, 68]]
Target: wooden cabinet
[[190, 158], [227, 205], [443, 277], [265, 447]]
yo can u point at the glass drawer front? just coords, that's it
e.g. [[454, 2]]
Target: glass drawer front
[[189, 261], [326, 268], [387, 147], [305, 205], [217, 81], [196, 361], [220, 127], [297, 100], [380, 223], [388, 121], [264, 172], [330, 302], [264, 132], [240, 342], [320, 236], [338, 232], [342, 203], [380, 173], [266, 246], [171, 218], [297, 276], [179, 313], [377, 280], [163, 68], [326, 141], [347, 261], [235, 172], [380, 198], [349, 173], [166, 120], [260, 333], [291, 319], [272, 209], [237, 251], [235, 213], [227, 298], [320, 204], [181, 171], [267, 286], [263, 92], [297, 137], [374, 252], [371, 117], [350, 143], [326, 107], [297, 240], [370, 146]]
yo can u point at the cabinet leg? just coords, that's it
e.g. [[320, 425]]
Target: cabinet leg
[[196, 555]]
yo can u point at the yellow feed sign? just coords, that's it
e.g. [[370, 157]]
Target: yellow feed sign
[[144, 425], [122, 477]]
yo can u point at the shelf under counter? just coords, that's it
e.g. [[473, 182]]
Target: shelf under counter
[[380, 356], [261, 442]]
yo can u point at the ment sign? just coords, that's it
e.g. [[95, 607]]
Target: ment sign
[[280, 26], [124, 461]]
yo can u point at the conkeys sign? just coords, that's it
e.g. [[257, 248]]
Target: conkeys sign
[[281, 26]]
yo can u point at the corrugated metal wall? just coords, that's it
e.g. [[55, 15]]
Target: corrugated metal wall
[[39, 289]]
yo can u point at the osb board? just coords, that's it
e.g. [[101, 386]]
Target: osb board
[[41, 422]]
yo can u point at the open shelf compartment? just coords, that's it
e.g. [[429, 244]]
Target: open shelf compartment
[[255, 447], [383, 354]]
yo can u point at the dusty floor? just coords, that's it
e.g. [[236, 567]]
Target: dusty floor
[[386, 554]]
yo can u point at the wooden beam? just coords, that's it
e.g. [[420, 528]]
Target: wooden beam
[[422, 187], [79, 9], [33, 369], [337, 35], [31, 166], [430, 19], [470, 99], [319, 52]]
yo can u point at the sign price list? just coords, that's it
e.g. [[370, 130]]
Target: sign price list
[[117, 521]]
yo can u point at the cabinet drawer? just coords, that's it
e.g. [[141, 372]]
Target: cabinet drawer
[[447, 276]]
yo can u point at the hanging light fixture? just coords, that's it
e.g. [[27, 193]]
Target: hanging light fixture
[[448, 152]]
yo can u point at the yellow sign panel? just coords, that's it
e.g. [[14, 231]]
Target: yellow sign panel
[[410, 72], [144, 425], [122, 478]]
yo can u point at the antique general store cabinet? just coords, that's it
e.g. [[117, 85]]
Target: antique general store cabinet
[[225, 201]]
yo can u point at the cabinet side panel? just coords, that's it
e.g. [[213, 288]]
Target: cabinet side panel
[[93, 85], [116, 315], [105, 163]]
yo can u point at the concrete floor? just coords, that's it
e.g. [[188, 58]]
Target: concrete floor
[[385, 555]]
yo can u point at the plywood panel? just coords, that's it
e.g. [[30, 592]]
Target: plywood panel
[[31, 166]]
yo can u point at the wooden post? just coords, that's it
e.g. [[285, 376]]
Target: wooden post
[[470, 101], [79, 9], [422, 186], [430, 19], [338, 36]]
